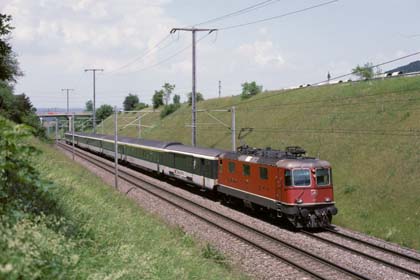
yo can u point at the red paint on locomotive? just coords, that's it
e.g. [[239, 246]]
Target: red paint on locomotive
[[287, 184]]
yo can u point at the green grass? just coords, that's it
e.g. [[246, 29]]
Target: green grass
[[98, 233], [128, 121], [376, 176]]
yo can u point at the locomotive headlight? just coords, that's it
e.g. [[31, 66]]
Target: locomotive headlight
[[299, 201], [327, 199]]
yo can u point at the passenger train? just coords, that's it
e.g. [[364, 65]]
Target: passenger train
[[284, 184]]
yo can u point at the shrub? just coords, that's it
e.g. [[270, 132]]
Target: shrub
[[250, 89], [19, 181], [169, 109], [198, 97]]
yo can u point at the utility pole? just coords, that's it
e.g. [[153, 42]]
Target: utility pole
[[233, 128], [56, 130], [220, 89], [140, 126], [94, 94], [116, 146], [193, 93], [67, 90], [72, 135]]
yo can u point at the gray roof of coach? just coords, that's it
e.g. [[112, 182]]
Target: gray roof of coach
[[123, 139], [195, 150]]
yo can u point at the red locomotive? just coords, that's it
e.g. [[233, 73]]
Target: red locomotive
[[286, 183]]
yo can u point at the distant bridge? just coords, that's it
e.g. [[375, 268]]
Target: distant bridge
[[63, 114]]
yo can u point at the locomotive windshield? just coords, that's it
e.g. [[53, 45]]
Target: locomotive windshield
[[298, 177], [323, 177]]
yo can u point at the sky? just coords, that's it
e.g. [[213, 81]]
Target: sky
[[56, 40]]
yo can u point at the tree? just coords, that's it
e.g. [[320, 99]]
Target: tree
[[250, 89], [364, 72], [157, 98], [19, 109], [89, 106], [141, 106], [104, 112], [167, 92], [130, 102], [198, 97], [177, 99], [9, 66], [169, 109]]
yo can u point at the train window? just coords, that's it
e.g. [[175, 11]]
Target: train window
[[231, 167], [246, 170], [288, 178], [301, 177], [263, 173], [322, 177]]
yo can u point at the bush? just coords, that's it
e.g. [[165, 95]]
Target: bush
[[19, 181], [169, 109], [198, 97], [35, 240], [364, 72], [19, 109], [250, 89]]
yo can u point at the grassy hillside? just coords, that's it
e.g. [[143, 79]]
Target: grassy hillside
[[128, 123], [369, 131]]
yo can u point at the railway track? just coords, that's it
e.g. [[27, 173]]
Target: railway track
[[371, 244], [377, 253], [303, 260]]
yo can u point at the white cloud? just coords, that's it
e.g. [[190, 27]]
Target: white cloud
[[262, 53], [87, 30]]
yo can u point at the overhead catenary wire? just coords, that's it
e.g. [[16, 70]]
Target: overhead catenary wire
[[145, 54], [279, 16], [171, 56], [239, 12], [376, 132]]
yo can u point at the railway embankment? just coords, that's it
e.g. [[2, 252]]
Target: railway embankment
[[369, 131], [59, 221]]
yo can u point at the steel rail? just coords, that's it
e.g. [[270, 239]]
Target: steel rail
[[347, 248], [387, 250]]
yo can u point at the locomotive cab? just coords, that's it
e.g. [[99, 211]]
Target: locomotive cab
[[307, 197]]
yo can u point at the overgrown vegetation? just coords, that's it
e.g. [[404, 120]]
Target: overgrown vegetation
[[28, 212]]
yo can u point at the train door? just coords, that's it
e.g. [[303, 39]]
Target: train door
[[279, 184]]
